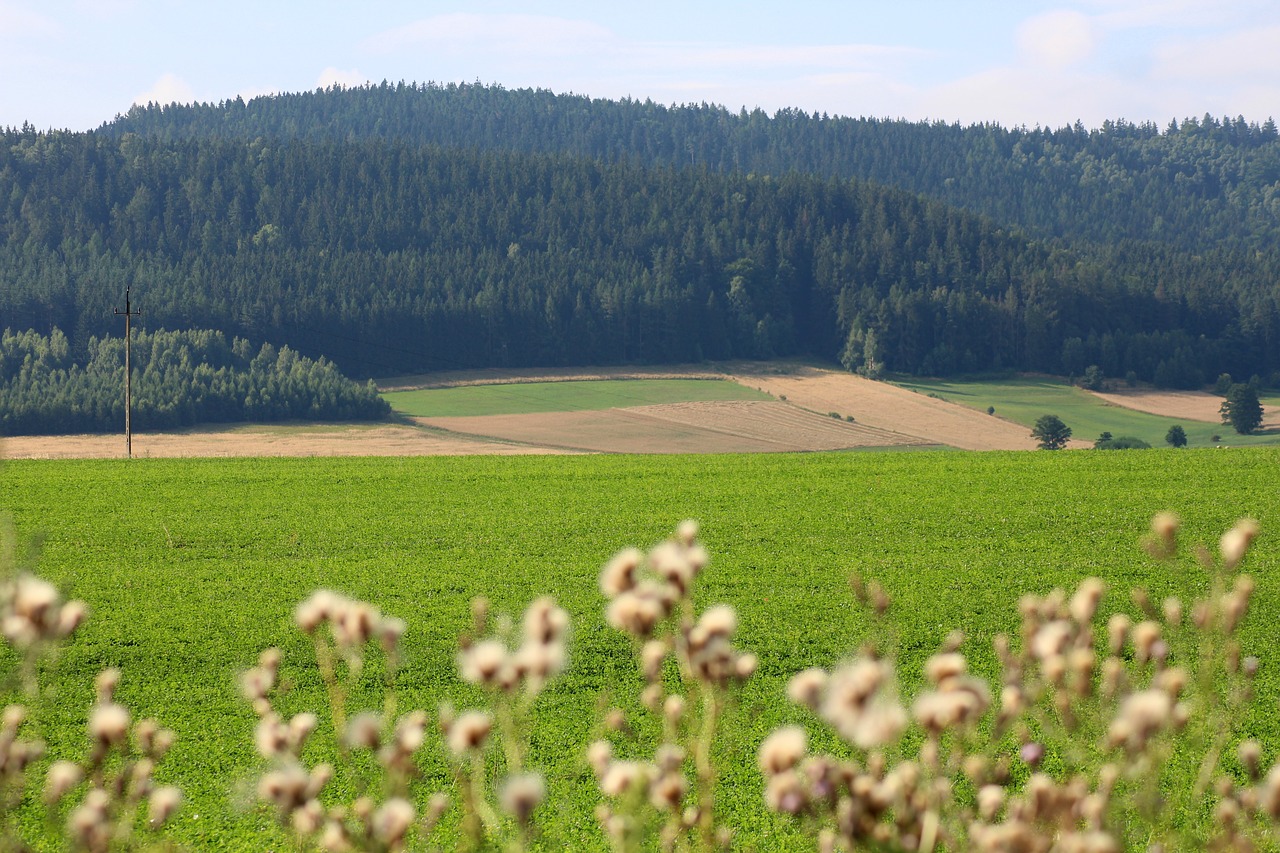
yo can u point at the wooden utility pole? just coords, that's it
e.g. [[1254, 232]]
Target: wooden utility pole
[[128, 313]]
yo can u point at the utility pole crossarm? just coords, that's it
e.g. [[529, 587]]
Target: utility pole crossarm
[[128, 313]]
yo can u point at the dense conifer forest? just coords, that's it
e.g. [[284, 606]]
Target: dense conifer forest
[[400, 228], [180, 379]]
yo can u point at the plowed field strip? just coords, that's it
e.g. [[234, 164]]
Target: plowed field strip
[[711, 427]]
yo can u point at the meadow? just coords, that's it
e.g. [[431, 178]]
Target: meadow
[[570, 396], [1024, 399], [192, 567]]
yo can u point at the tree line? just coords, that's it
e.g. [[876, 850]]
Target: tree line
[[388, 257], [1198, 181], [180, 378]]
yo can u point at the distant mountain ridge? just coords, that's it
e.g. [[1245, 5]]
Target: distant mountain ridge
[[1197, 183], [401, 228]]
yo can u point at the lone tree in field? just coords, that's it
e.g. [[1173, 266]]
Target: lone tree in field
[[1242, 409], [1176, 436], [1051, 432]]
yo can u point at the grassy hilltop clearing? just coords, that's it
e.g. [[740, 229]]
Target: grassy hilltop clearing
[[192, 567]]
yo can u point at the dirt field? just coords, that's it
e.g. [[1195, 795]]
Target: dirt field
[[887, 407], [711, 427], [335, 440], [884, 416], [1192, 405]]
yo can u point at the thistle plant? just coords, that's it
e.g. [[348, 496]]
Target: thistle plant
[[690, 668], [1100, 737], [110, 795], [381, 815], [512, 667], [385, 814]]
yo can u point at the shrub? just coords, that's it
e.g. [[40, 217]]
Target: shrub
[[1123, 442]]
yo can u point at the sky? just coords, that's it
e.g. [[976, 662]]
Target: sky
[[79, 63]]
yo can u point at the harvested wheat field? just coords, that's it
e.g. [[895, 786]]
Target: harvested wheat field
[[710, 427], [888, 407], [1192, 405], [330, 440]]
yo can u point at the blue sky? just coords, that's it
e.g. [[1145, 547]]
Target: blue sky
[[78, 63]]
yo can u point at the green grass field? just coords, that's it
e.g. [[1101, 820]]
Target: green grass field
[[191, 567], [576, 396], [1023, 400]]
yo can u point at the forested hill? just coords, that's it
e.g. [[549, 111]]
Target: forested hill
[[388, 256], [1196, 183]]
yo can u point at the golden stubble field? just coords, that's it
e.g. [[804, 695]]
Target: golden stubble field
[[797, 419]]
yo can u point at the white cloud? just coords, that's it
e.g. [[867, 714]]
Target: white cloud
[[169, 89], [19, 23], [1247, 54], [1058, 38], [338, 77]]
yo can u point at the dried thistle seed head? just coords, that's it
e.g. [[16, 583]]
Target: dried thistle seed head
[[941, 667], [106, 683], [687, 532], [782, 750], [637, 611], [484, 663], [284, 787], [364, 731], [718, 622], [1250, 754], [1145, 636], [623, 776], [61, 778], [255, 683], [1163, 542], [1172, 680], [109, 724], [13, 717], [521, 794], [1084, 604], [71, 617], [990, 801], [411, 732], [673, 709], [34, 599], [271, 736], [1051, 639], [785, 793], [392, 820], [317, 779], [615, 720], [667, 792], [1117, 631], [469, 732], [162, 805], [806, 687], [669, 758], [1236, 541], [1141, 715], [652, 655], [619, 574], [544, 621], [314, 610], [599, 754], [744, 665], [538, 662]]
